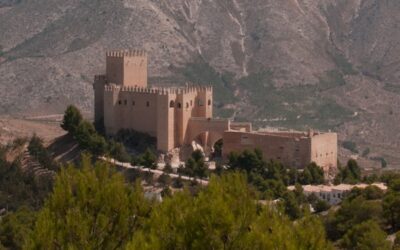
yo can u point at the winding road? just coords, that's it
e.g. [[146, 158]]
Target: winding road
[[127, 165]]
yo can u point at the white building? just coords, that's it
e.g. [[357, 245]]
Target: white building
[[334, 194]]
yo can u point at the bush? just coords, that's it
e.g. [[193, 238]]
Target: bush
[[366, 152], [366, 236], [136, 140], [349, 145], [118, 151], [165, 180], [381, 160], [178, 183], [15, 228], [195, 165], [148, 159], [168, 168], [321, 206]]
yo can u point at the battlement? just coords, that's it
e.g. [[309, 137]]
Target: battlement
[[126, 53], [157, 90]]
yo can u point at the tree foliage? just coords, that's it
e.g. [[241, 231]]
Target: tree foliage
[[91, 208], [20, 189], [312, 174], [15, 227], [91, 140], [225, 216], [350, 174], [353, 211], [72, 119], [391, 208], [135, 140], [41, 154], [195, 166], [366, 236], [271, 178], [148, 159]]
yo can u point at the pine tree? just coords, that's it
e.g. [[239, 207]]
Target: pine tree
[[91, 208], [225, 216], [72, 119], [366, 236]]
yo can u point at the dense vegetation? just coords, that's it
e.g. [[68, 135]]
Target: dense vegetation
[[41, 154], [92, 208], [245, 206], [88, 138], [18, 189]]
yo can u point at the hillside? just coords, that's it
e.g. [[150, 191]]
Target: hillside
[[289, 63]]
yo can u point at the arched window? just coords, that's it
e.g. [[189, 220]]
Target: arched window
[[133, 103], [179, 105], [147, 104], [191, 103], [125, 102], [209, 102], [171, 104], [187, 105], [119, 102], [200, 103]]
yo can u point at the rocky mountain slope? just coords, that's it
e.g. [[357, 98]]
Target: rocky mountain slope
[[330, 64]]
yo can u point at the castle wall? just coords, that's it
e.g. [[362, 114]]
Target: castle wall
[[110, 101], [291, 151], [166, 131], [130, 110], [324, 150], [241, 126], [115, 69], [191, 102], [163, 113], [135, 71], [98, 86], [211, 129]]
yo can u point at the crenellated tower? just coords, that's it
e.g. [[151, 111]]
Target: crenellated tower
[[127, 67], [123, 100]]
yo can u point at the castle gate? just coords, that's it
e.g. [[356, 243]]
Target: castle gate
[[208, 130]]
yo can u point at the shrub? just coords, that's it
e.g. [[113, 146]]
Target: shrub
[[349, 145]]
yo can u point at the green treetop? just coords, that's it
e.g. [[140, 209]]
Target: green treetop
[[72, 119], [91, 208]]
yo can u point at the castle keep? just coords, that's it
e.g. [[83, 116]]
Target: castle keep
[[177, 116]]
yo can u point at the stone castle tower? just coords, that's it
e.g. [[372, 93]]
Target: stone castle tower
[[123, 100]]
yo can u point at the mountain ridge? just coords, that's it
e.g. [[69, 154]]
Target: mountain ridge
[[293, 64]]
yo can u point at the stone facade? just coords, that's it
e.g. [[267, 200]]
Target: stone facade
[[177, 116], [296, 149], [123, 100]]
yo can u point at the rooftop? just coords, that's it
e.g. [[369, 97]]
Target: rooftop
[[341, 187]]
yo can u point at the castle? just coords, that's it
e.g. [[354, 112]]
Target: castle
[[177, 116]]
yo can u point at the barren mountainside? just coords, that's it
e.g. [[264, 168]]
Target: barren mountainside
[[288, 63]]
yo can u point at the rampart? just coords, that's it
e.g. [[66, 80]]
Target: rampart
[[294, 149], [160, 91]]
